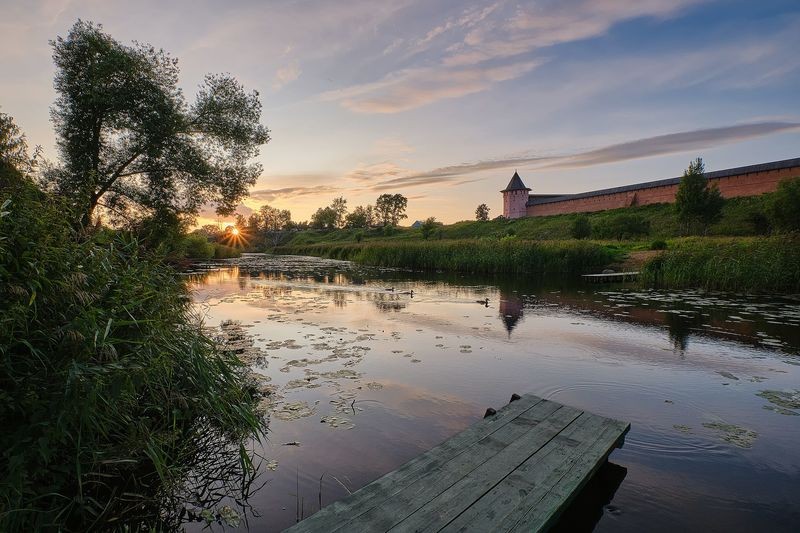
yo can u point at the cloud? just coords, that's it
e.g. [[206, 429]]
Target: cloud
[[537, 26], [412, 88], [285, 75], [673, 143], [636, 149], [270, 195]]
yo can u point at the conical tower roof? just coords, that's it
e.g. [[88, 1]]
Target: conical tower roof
[[515, 184]]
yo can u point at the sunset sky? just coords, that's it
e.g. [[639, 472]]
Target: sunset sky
[[442, 100]]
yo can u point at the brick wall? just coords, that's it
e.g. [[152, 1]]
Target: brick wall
[[749, 184]]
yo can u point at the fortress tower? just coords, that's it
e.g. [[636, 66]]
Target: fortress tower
[[515, 198]]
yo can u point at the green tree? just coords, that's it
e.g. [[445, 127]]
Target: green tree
[[784, 206], [339, 206], [324, 218], [128, 139], [428, 227], [390, 209], [360, 217], [482, 212], [581, 227], [13, 146], [697, 205]]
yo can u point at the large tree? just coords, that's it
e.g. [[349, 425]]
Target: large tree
[[130, 142], [390, 209], [697, 204]]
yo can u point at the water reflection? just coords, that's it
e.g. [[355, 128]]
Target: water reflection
[[380, 376]]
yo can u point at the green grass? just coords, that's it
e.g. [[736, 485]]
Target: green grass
[[509, 255], [763, 264]]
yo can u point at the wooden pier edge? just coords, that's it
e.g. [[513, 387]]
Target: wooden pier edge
[[518, 469]]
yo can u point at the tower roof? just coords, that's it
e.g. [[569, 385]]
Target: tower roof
[[515, 184]]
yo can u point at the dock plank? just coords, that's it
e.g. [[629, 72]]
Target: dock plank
[[383, 488], [515, 471]]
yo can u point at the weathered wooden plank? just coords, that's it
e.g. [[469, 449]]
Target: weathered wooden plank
[[568, 487], [515, 471], [332, 516], [544, 421], [472, 485], [524, 488]]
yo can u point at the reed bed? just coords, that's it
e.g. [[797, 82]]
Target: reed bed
[[483, 256], [116, 408], [756, 264]]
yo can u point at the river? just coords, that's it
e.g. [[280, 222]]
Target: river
[[369, 367]]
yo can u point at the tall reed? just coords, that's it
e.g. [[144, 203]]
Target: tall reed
[[507, 255], [112, 398], [743, 264]]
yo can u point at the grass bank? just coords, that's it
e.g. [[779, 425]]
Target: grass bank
[[485, 256], [752, 264], [740, 217]]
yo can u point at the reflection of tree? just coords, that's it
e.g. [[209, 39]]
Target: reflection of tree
[[388, 302], [679, 327], [339, 299], [511, 309]]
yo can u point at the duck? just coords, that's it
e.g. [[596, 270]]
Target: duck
[[485, 302], [409, 293], [390, 289]]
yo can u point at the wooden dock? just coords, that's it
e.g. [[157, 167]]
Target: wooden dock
[[611, 277], [516, 470]]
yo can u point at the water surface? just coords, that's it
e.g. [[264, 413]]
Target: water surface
[[364, 378]]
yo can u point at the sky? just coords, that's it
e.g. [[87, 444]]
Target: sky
[[442, 101]]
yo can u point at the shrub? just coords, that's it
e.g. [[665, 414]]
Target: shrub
[[427, 227], [784, 208], [111, 397], [623, 226], [581, 227], [658, 244], [222, 251], [197, 246]]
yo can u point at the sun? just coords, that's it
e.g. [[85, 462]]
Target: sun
[[234, 231]]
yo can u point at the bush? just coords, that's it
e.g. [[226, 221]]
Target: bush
[[427, 227], [222, 251], [197, 246], [581, 227], [784, 208], [623, 226], [110, 393], [658, 245]]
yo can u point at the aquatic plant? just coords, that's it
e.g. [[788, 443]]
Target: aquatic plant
[[116, 408]]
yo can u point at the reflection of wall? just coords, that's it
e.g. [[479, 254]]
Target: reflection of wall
[[511, 310]]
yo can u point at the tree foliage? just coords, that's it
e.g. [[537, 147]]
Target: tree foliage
[[360, 217], [324, 218], [128, 139], [390, 209], [697, 204], [339, 206], [784, 207], [482, 212]]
